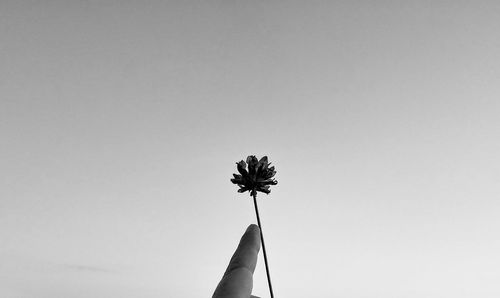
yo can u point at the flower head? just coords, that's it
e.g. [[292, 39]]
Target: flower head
[[258, 177]]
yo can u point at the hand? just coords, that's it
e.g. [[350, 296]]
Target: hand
[[237, 281]]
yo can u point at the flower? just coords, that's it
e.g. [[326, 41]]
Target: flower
[[258, 177]]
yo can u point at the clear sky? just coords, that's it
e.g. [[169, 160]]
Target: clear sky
[[121, 122]]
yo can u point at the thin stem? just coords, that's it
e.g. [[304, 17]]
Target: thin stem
[[263, 245]]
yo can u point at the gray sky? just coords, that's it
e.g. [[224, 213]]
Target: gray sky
[[121, 123]]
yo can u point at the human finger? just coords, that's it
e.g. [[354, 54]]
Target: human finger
[[237, 281]]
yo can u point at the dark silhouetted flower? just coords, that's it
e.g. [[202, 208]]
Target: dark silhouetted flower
[[258, 177]]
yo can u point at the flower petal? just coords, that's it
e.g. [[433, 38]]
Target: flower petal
[[252, 165], [241, 168], [243, 189], [264, 189], [269, 182]]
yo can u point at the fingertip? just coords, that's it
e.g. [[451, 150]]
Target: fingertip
[[253, 231], [253, 228], [251, 237]]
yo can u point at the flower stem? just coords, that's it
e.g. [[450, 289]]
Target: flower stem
[[263, 245]]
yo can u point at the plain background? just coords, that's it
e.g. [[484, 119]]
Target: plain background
[[121, 122]]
